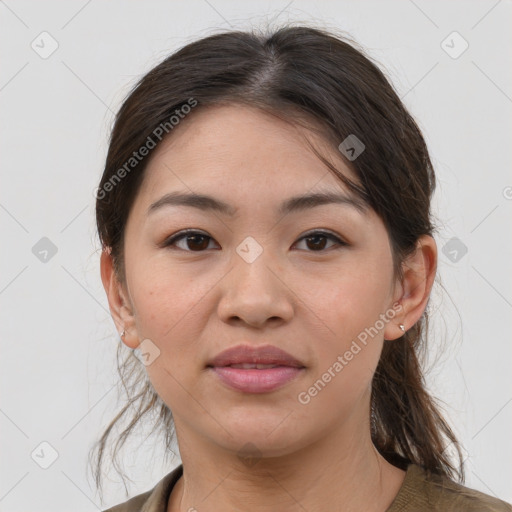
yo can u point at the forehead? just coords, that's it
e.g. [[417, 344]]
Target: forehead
[[230, 145]]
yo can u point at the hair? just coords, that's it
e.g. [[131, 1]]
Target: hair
[[324, 81]]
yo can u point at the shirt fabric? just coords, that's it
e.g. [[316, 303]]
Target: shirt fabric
[[421, 491]]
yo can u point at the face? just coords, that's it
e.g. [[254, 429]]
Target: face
[[310, 281]]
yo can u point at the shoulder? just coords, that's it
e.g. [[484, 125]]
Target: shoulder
[[132, 505], [154, 500], [424, 490]]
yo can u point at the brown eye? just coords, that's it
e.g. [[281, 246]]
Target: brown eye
[[194, 241], [317, 240]]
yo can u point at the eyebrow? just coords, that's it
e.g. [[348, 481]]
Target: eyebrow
[[293, 204]]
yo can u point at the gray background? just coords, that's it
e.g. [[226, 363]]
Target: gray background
[[57, 338]]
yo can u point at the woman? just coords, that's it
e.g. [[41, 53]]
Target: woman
[[265, 219]]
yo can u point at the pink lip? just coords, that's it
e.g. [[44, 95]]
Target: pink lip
[[265, 354], [255, 380]]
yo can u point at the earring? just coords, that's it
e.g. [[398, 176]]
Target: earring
[[123, 333], [402, 327]]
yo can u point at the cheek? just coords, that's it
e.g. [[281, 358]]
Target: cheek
[[167, 303], [169, 313], [346, 300], [345, 308], [347, 350], [171, 310]]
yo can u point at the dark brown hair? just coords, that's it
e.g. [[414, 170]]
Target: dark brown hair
[[323, 80]]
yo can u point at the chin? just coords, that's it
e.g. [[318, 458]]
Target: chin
[[260, 439]]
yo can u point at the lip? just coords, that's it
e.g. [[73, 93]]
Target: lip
[[264, 354], [255, 380]]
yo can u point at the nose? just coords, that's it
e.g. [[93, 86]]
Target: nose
[[256, 292]]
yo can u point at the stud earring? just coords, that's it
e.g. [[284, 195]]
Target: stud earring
[[123, 333], [402, 327]]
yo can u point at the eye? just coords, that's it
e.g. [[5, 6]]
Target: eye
[[316, 240], [195, 241]]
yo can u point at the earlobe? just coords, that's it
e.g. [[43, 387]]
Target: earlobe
[[394, 330], [419, 271], [118, 301]]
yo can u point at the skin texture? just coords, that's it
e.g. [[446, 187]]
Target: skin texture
[[311, 302]]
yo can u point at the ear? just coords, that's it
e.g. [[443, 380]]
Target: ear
[[118, 301], [414, 291]]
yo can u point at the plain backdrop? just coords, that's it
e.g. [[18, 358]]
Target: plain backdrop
[[65, 68]]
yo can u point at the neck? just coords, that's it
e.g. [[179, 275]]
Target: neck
[[341, 471]]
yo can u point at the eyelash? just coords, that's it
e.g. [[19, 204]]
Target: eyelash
[[169, 242]]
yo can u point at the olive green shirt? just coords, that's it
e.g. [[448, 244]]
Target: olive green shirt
[[421, 491]]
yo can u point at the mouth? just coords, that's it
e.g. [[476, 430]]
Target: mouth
[[252, 369]]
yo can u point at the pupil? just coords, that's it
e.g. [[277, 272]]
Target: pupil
[[322, 245], [194, 240]]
